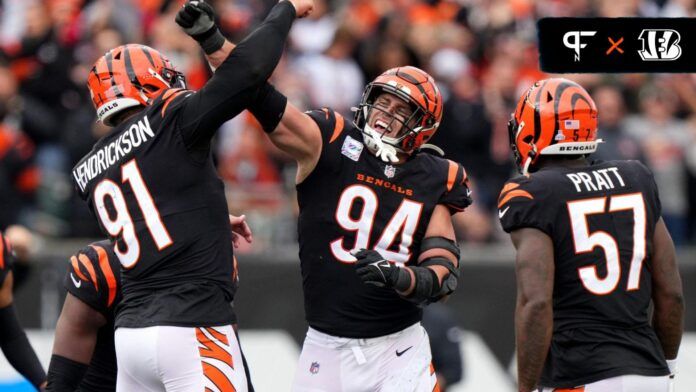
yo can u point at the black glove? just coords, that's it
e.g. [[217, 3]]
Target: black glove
[[197, 18], [373, 269]]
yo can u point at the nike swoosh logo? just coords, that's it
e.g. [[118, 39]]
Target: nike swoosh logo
[[468, 192], [398, 354], [76, 282], [502, 213]]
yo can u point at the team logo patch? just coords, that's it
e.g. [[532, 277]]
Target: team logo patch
[[660, 45], [389, 171], [352, 148], [314, 368]]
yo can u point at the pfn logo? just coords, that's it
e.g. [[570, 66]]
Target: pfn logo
[[575, 43], [660, 45]]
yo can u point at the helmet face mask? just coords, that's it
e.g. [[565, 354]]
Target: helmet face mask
[[403, 126], [554, 117], [130, 76], [399, 128]]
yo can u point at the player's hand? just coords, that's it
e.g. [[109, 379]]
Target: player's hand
[[22, 241], [240, 229], [373, 269], [197, 19], [302, 7]]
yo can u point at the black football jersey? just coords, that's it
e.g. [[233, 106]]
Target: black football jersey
[[5, 258], [601, 219], [353, 200], [159, 198], [93, 276]]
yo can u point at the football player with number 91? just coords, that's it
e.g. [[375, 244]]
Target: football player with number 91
[[592, 252], [154, 189], [375, 230]]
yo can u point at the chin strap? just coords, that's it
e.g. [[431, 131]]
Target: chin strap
[[525, 168], [385, 152], [433, 147], [528, 162]]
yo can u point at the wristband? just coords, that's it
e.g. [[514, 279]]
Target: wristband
[[64, 374], [211, 41]]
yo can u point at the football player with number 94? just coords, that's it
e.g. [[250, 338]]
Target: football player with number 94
[[375, 230]]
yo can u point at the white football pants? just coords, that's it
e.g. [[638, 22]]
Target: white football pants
[[400, 362], [179, 359]]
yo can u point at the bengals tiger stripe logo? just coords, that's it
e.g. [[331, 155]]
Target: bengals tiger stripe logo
[[551, 113], [510, 192], [216, 358]]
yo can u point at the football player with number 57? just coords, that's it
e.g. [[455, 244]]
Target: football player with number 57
[[375, 230], [592, 252]]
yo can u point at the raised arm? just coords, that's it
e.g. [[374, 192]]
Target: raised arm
[[289, 128], [237, 78], [534, 311], [667, 295]]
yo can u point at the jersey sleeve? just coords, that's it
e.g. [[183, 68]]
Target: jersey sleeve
[[332, 127], [457, 195], [331, 124], [5, 258], [526, 202], [90, 277]]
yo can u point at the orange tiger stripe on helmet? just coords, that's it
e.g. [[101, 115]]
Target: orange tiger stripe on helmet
[[415, 86], [128, 76], [554, 117]]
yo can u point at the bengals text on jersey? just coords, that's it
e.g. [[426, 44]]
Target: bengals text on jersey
[[353, 200]]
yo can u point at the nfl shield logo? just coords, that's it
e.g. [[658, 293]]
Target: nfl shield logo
[[314, 369], [389, 171]]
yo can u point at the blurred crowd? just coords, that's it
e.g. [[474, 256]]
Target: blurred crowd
[[482, 53]]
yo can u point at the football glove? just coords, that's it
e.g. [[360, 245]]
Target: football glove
[[374, 269], [197, 19]]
